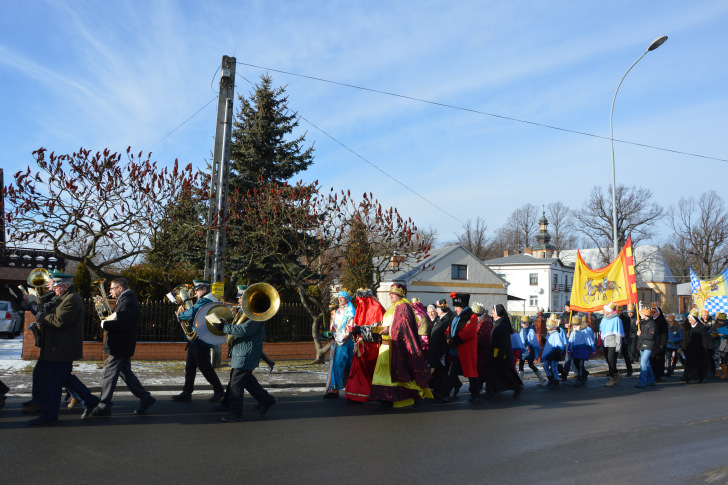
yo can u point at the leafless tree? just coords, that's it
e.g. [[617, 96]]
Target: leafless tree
[[474, 237], [701, 229], [561, 226], [636, 215]]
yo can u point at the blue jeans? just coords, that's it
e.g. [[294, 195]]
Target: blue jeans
[[647, 377], [551, 367]]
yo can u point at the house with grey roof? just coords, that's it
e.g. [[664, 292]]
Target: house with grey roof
[[447, 269]]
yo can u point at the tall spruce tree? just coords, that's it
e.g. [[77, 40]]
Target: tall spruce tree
[[260, 150]]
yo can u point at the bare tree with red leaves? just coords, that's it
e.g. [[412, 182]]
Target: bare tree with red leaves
[[102, 209]]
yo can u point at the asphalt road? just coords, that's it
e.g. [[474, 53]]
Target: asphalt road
[[671, 433]]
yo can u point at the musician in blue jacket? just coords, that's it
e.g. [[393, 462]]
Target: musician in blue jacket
[[198, 352]]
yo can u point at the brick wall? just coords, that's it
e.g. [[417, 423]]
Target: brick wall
[[171, 350]]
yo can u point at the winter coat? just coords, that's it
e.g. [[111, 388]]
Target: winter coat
[[438, 344], [62, 329], [648, 334], [248, 343], [463, 339], [121, 333]]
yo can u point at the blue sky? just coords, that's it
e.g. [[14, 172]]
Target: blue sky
[[116, 74]]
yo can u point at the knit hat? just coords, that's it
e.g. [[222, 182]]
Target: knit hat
[[460, 299]]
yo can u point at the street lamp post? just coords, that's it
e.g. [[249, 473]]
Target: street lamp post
[[654, 45]]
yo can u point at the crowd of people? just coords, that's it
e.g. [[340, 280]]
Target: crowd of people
[[409, 352], [396, 356]]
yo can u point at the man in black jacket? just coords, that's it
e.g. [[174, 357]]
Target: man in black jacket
[[437, 357], [121, 335]]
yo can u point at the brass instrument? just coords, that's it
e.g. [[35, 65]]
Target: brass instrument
[[101, 303], [38, 278], [181, 296], [260, 302]]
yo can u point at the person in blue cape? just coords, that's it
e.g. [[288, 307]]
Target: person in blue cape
[[553, 350], [343, 346], [580, 347]]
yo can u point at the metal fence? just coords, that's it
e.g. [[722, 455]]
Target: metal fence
[[158, 323]]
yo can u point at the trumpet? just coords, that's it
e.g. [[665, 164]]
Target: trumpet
[[101, 303], [181, 296]]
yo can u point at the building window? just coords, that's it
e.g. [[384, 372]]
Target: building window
[[460, 271], [533, 279], [556, 282], [533, 300]]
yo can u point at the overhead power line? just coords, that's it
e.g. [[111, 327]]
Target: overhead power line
[[483, 113]]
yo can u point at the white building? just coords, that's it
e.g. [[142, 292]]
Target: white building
[[448, 269], [537, 283]]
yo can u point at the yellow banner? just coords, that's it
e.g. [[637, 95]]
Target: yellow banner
[[594, 288]]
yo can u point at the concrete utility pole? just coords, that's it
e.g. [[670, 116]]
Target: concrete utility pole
[[217, 212]]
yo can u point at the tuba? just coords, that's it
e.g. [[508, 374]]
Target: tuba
[[101, 302], [38, 279], [181, 296], [260, 302]]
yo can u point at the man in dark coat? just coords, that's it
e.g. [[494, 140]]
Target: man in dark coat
[[646, 343], [121, 329], [500, 370], [61, 332], [437, 354]]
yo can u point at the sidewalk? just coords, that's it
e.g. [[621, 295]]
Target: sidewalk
[[167, 377]]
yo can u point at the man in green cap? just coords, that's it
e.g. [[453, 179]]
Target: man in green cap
[[198, 352], [61, 334]]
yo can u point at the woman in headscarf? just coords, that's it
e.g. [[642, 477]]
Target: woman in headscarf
[[500, 374], [340, 362], [696, 355]]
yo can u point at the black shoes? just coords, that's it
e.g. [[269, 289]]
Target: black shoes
[[99, 412], [182, 397], [217, 397], [144, 405], [265, 407], [232, 418], [42, 422]]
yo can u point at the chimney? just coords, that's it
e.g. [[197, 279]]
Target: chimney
[[528, 251], [505, 253], [396, 260]]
